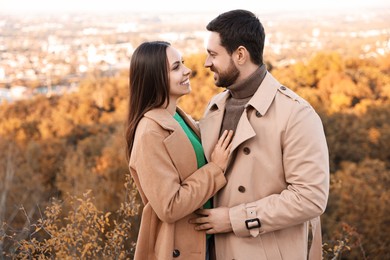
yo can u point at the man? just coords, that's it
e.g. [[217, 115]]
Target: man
[[278, 173]]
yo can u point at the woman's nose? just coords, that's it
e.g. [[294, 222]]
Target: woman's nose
[[187, 71]]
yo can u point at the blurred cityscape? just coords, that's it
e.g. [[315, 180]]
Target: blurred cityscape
[[52, 54]]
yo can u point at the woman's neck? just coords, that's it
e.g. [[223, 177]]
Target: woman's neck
[[172, 106]]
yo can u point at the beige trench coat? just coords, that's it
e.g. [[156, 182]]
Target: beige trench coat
[[280, 175], [164, 167]]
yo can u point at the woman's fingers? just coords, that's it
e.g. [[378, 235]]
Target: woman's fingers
[[228, 139], [225, 139], [222, 138], [221, 150]]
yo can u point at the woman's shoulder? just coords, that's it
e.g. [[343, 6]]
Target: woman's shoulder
[[147, 124], [156, 121], [148, 132]]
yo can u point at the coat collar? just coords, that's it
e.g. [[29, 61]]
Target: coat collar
[[162, 117], [166, 120], [260, 101], [211, 124], [219, 102], [263, 97]]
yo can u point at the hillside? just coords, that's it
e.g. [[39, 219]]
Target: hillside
[[66, 154]]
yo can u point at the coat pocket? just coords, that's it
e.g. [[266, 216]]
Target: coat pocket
[[187, 239]]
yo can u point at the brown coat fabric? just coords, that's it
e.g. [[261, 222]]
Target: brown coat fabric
[[280, 175], [164, 167]]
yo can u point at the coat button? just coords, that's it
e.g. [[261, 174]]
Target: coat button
[[241, 189], [283, 88], [176, 253], [258, 114], [247, 150]]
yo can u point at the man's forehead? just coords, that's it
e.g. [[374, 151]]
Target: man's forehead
[[213, 41], [214, 37]]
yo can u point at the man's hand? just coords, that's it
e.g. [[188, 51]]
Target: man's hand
[[213, 221]]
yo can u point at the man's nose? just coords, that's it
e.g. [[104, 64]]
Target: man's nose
[[207, 63]]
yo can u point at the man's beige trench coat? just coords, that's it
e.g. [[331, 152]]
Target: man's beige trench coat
[[164, 167], [280, 175]]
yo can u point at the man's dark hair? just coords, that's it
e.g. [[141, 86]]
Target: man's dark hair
[[240, 28]]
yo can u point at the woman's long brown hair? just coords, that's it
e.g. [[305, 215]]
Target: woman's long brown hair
[[148, 84]]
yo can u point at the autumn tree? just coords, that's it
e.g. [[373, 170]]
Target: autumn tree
[[56, 148], [360, 197]]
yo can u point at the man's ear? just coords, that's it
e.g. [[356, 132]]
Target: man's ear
[[242, 55]]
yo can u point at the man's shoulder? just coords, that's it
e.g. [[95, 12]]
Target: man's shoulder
[[291, 95]]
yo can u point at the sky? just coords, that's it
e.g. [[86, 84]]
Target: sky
[[176, 6]]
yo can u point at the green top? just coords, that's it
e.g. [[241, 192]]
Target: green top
[[195, 141], [196, 144]]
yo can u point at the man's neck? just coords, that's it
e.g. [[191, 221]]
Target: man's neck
[[247, 87], [247, 71]]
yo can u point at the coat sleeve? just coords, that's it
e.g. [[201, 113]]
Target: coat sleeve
[[306, 169], [159, 181]]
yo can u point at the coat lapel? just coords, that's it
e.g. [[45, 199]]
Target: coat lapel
[[182, 153], [260, 101], [210, 125], [209, 128], [243, 132], [177, 143], [190, 122]]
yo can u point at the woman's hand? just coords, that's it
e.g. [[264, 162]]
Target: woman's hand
[[221, 151]]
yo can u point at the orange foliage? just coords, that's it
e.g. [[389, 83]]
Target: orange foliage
[[50, 147]]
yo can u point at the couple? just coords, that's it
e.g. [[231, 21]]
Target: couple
[[257, 195]]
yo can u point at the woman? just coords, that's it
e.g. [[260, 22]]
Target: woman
[[166, 159]]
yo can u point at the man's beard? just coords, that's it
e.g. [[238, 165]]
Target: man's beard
[[228, 77]]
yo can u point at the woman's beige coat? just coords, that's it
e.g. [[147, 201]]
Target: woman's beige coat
[[164, 167], [280, 175]]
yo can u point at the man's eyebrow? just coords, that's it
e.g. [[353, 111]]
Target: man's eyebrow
[[211, 52]]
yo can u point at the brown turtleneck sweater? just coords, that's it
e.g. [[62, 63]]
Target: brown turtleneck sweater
[[241, 92]]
